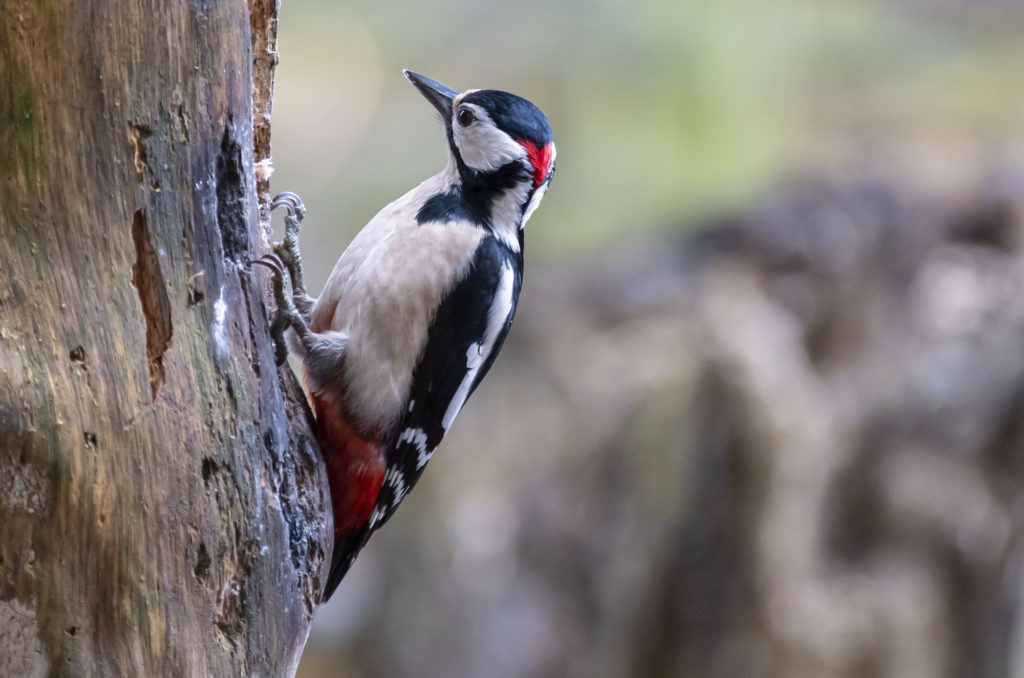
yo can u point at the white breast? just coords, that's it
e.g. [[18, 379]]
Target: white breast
[[384, 292]]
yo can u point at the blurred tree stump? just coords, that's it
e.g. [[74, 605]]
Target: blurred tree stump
[[788, 445], [859, 363], [797, 445], [161, 500]]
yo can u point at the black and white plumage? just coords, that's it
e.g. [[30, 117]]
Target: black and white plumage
[[463, 341], [418, 306]]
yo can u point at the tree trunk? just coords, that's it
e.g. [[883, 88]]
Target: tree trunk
[[162, 505]]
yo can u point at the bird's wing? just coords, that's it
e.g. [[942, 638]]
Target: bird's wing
[[462, 343]]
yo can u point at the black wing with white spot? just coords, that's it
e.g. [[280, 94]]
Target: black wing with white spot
[[466, 335]]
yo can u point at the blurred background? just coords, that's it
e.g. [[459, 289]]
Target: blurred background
[[760, 413]]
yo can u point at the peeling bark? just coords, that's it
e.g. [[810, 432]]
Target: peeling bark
[[162, 504]]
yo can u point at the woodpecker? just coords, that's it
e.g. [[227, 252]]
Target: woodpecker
[[417, 307]]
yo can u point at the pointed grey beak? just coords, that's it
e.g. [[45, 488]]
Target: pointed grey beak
[[436, 93]]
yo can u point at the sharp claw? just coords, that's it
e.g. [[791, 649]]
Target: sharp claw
[[271, 261], [285, 315], [288, 195], [275, 260], [286, 265], [291, 202]]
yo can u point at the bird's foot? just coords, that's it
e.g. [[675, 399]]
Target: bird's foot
[[287, 315], [288, 249]]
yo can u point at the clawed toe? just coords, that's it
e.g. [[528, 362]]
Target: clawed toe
[[288, 250], [286, 264], [273, 262], [286, 314], [291, 202]]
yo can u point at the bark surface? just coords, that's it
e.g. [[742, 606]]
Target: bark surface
[[162, 504]]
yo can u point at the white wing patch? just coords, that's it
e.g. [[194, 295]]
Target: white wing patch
[[501, 307], [418, 438], [396, 480]]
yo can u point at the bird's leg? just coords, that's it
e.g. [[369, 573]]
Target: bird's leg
[[287, 315], [288, 250]]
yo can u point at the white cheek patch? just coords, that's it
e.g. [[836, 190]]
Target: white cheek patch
[[483, 146], [538, 195]]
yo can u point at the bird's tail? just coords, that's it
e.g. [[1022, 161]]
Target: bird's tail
[[346, 548]]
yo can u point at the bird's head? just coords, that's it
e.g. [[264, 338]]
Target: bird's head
[[501, 143]]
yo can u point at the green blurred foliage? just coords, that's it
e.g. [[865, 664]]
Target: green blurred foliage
[[662, 111]]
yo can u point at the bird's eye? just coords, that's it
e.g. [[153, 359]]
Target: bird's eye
[[466, 117]]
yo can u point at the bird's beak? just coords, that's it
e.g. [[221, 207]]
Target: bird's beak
[[436, 93]]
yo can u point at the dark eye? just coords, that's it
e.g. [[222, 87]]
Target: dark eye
[[466, 117]]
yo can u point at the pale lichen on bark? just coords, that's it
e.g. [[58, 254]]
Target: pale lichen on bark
[[23, 654]]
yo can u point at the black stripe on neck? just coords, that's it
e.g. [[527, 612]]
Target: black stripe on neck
[[472, 199]]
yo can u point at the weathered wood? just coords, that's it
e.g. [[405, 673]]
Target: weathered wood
[[263, 23], [162, 506]]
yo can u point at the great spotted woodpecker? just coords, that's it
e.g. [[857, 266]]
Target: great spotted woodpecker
[[417, 307]]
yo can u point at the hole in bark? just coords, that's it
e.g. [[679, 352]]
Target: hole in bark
[[195, 296], [183, 123], [136, 137], [148, 280], [210, 467], [231, 206], [77, 355], [71, 630], [90, 439], [202, 569]]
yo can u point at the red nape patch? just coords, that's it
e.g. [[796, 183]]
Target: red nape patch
[[540, 158]]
